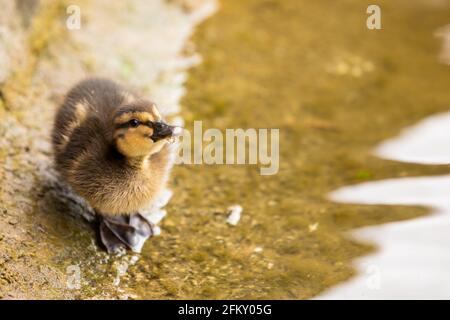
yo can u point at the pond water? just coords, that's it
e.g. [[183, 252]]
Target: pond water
[[334, 89]]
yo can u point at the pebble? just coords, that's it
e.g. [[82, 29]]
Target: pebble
[[258, 249], [234, 214], [313, 227], [134, 259]]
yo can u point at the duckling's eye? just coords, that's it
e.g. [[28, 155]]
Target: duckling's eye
[[134, 123]]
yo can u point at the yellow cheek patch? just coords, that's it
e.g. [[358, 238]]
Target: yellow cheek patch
[[134, 142], [141, 132], [144, 131]]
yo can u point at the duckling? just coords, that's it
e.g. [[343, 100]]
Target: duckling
[[112, 148]]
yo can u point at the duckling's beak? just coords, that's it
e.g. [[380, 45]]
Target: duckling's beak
[[162, 130]]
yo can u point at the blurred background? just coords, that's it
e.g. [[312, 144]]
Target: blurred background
[[334, 85]]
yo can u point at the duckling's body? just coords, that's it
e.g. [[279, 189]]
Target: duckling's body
[[109, 147]]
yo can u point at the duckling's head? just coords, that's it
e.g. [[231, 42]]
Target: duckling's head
[[139, 129]]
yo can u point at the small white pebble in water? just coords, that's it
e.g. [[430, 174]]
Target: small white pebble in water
[[134, 259], [313, 227], [258, 249], [234, 214]]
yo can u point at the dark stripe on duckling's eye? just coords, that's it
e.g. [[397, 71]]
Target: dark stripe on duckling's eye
[[133, 123]]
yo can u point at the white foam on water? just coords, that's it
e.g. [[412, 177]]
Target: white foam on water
[[413, 257]]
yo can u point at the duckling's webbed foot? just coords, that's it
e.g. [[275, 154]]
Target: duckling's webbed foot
[[122, 232]]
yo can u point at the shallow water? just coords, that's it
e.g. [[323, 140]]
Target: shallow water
[[334, 90]]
